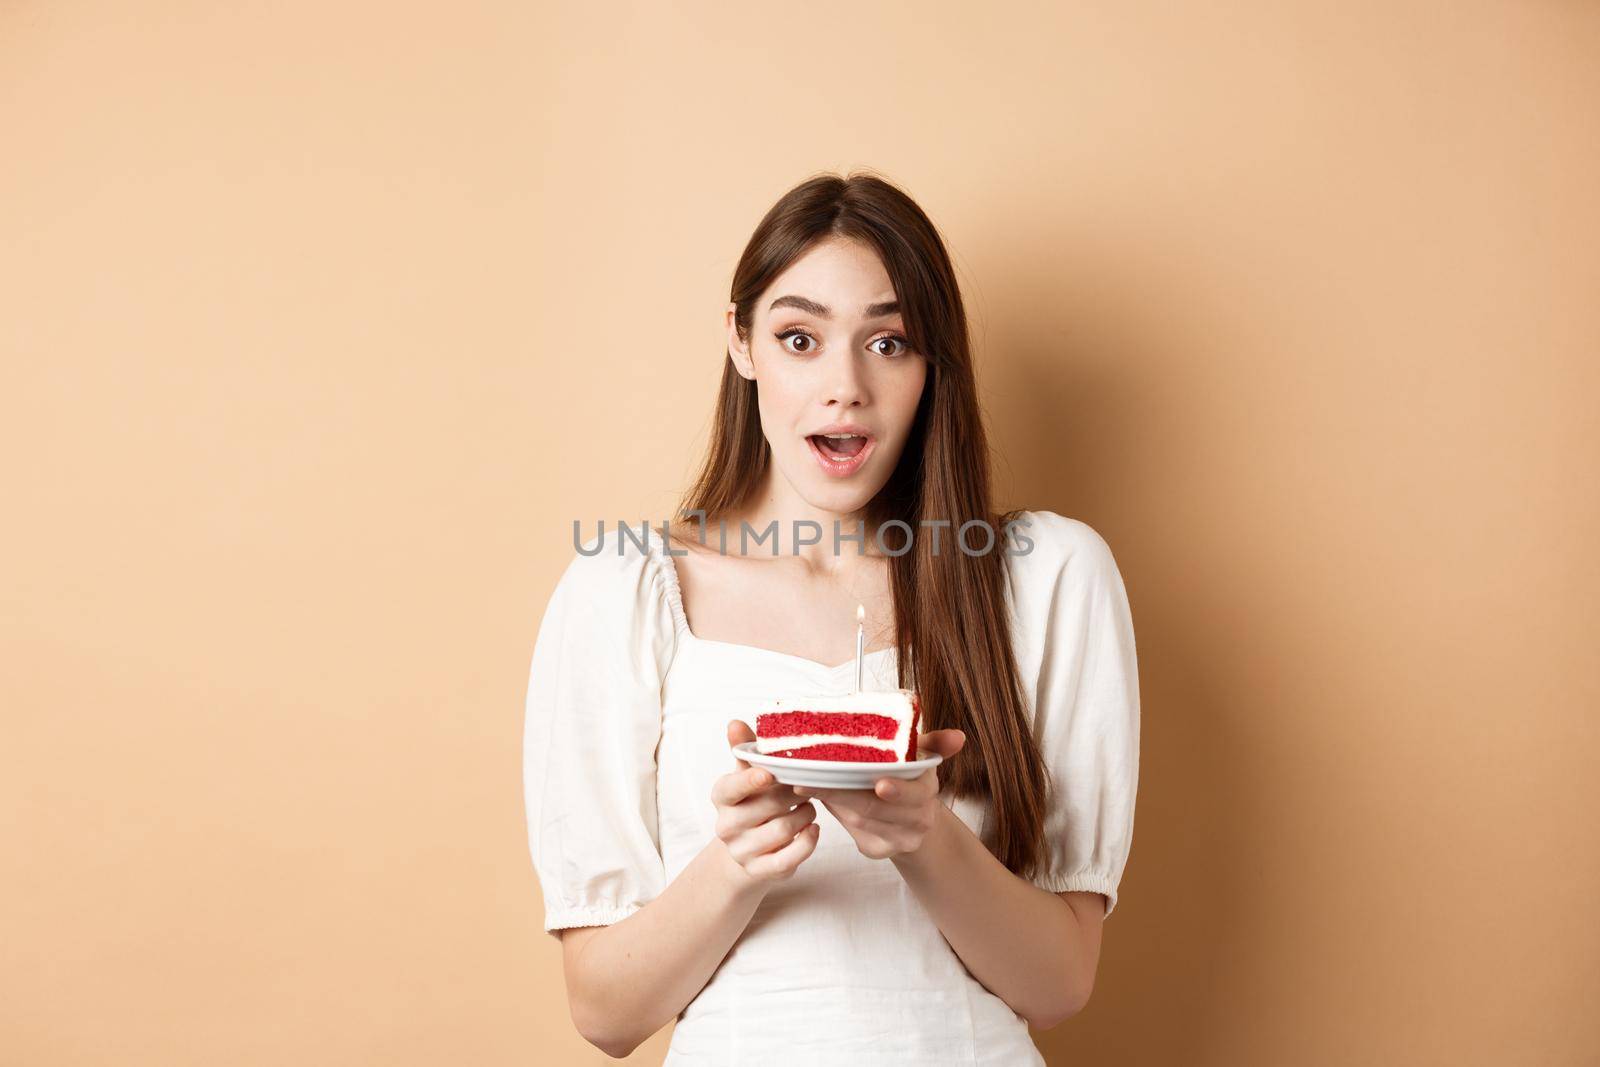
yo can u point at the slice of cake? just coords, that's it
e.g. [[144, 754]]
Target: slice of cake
[[873, 726]]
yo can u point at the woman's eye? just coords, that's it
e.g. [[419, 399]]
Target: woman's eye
[[783, 339], [897, 339]]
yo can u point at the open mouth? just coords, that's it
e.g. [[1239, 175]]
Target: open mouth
[[841, 454], [842, 446]]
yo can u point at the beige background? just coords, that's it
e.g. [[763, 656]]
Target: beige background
[[323, 321]]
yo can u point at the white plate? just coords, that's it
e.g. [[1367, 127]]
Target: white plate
[[831, 773]]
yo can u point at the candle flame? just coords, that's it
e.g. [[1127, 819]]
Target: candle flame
[[861, 613]]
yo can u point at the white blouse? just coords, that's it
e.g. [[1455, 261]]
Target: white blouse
[[626, 729]]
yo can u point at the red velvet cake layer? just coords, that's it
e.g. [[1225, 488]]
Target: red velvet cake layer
[[849, 753], [849, 724]]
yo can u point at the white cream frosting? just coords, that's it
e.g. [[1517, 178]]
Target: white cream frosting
[[892, 702], [775, 744]]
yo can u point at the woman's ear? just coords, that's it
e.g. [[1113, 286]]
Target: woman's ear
[[738, 349]]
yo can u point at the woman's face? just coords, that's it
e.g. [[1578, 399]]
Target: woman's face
[[828, 353]]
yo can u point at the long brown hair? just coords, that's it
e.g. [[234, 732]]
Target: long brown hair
[[951, 623]]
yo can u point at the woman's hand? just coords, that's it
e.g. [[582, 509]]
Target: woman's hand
[[894, 817], [754, 821]]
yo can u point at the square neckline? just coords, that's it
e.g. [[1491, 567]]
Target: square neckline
[[669, 571]]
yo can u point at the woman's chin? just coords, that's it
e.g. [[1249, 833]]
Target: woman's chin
[[824, 494]]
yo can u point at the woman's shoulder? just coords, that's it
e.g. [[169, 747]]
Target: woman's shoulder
[[1066, 580], [1048, 543], [620, 567]]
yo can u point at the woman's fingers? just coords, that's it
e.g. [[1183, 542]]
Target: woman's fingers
[[753, 811], [736, 786], [779, 845], [748, 843], [739, 787], [783, 862], [758, 812], [738, 733], [914, 791]]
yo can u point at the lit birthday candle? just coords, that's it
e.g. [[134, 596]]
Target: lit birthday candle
[[861, 619]]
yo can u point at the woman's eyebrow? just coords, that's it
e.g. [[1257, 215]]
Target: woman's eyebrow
[[873, 311]]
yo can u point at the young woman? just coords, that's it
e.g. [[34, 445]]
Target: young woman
[[926, 921]]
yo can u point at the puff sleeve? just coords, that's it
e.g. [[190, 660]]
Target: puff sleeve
[[1079, 648], [592, 724]]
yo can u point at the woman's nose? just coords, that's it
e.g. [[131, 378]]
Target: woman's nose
[[845, 382]]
